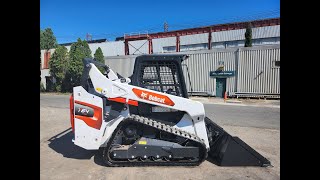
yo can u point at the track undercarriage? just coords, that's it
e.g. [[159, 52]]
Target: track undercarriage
[[141, 141]]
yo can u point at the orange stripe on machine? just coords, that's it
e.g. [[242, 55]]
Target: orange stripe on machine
[[96, 120], [123, 100], [154, 97]]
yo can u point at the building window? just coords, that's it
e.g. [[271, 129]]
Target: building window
[[240, 43], [193, 47], [266, 41], [218, 45], [188, 47], [228, 44], [169, 49]]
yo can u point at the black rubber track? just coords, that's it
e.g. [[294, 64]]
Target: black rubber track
[[109, 162]]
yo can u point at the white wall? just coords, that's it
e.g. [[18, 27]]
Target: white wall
[[44, 73], [138, 47], [112, 48], [194, 39], [158, 44]]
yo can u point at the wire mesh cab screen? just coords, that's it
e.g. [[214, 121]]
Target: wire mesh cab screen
[[160, 76], [161, 73]]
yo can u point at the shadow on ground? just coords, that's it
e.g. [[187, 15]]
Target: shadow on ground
[[62, 144]]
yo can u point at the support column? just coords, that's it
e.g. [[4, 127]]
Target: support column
[[209, 38], [126, 47], [177, 43], [150, 46], [237, 59]]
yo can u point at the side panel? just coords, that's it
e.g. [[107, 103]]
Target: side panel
[[186, 124], [88, 119]]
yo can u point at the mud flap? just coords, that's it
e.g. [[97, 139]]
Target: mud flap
[[226, 150]]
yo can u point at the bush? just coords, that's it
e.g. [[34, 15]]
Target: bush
[[42, 89], [98, 56]]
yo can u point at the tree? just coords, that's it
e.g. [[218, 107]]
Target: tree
[[58, 67], [47, 39], [41, 40], [78, 51], [248, 36], [98, 56]]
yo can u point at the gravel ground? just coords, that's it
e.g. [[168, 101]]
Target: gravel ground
[[60, 159]]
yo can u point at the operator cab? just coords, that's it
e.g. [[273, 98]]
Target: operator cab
[[161, 73]]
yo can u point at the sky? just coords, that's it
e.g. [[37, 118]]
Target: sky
[[73, 19]]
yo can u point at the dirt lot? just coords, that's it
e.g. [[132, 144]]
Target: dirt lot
[[60, 159]]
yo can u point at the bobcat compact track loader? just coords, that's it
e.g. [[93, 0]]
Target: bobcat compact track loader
[[147, 119]]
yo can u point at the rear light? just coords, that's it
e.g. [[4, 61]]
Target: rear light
[[72, 112]]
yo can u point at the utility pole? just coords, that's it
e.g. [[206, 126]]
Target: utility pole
[[89, 37], [165, 26]]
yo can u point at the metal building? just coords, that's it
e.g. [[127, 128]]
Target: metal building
[[248, 71], [241, 72], [264, 32]]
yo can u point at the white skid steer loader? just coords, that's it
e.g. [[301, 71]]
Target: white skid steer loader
[[147, 119]]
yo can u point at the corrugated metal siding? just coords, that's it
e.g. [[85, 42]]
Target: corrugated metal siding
[[257, 73], [260, 32], [158, 44], [228, 35], [265, 32], [194, 39], [256, 70], [200, 65]]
